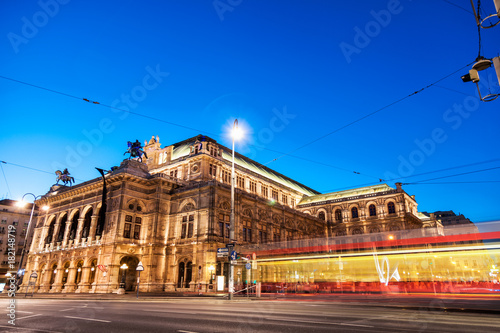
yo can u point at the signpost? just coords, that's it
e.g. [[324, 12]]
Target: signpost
[[33, 275], [139, 269], [222, 252], [234, 255]]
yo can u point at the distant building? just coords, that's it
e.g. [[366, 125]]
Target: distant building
[[449, 218], [18, 218], [172, 213]]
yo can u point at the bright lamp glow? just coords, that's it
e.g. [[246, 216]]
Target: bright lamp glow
[[21, 203], [124, 266], [236, 133], [45, 207]]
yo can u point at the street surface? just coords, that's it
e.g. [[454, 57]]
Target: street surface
[[185, 314]]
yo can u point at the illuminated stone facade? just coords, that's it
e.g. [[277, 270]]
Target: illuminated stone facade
[[172, 214]]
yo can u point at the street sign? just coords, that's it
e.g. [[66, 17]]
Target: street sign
[[222, 252], [230, 246], [233, 255], [248, 265], [254, 264], [139, 266]]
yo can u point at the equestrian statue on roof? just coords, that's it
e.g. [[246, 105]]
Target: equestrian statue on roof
[[65, 177], [135, 150]]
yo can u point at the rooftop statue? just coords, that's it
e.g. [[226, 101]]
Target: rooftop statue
[[65, 177], [135, 150]]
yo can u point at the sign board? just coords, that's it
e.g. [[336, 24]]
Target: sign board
[[248, 265], [230, 245], [139, 266], [222, 252], [220, 282], [233, 255], [254, 264]]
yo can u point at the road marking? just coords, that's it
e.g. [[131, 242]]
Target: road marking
[[100, 320], [315, 322], [66, 309], [35, 315], [181, 312], [181, 331], [30, 329], [24, 311]]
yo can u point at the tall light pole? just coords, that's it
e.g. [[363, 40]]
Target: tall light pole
[[236, 134], [22, 203]]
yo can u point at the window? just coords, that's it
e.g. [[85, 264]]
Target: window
[[321, 216], [391, 208], [212, 170], [264, 191], [262, 236], [137, 231], [226, 176], [126, 230], [253, 187], [240, 182], [173, 173], [4, 221], [338, 215], [224, 221], [354, 212], [247, 231], [187, 226], [128, 218], [15, 223], [372, 210], [274, 195], [284, 199], [213, 151], [276, 237]]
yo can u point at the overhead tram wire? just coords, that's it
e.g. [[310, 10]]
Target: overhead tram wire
[[30, 168], [369, 114], [469, 182], [456, 175], [5, 178], [174, 124], [416, 175]]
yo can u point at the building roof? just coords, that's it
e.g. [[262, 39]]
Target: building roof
[[183, 148], [352, 193]]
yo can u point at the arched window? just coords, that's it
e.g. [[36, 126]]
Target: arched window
[[53, 272], [180, 280], [372, 210], [189, 274], [338, 215], [62, 228], [78, 275], [321, 216], [391, 208], [354, 212], [93, 267]]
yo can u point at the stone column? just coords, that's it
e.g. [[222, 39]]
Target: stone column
[[45, 280], [57, 286], [93, 227], [78, 235], [84, 285], [66, 234]]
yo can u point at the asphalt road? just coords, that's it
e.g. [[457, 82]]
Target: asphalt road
[[184, 315]]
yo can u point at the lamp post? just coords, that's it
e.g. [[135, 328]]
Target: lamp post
[[139, 269], [22, 203], [236, 134]]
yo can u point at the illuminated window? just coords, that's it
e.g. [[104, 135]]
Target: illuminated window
[[391, 208], [137, 231], [354, 212], [372, 210]]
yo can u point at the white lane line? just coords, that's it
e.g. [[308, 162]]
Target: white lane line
[[30, 329], [166, 311], [100, 320], [181, 331], [35, 315], [23, 311], [66, 309], [315, 322]]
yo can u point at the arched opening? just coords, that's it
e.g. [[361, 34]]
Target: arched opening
[[74, 226], [50, 233], [62, 228], [180, 279], [372, 210], [53, 272], [100, 224], [93, 267], [189, 274], [86, 223], [354, 212], [338, 215], [79, 271], [391, 208], [65, 274], [322, 216], [128, 276]]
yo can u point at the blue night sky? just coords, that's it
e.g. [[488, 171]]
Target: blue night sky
[[315, 79]]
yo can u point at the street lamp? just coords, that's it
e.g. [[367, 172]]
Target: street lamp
[[236, 134], [123, 267], [22, 203]]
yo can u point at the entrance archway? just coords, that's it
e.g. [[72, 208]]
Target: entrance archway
[[130, 273]]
